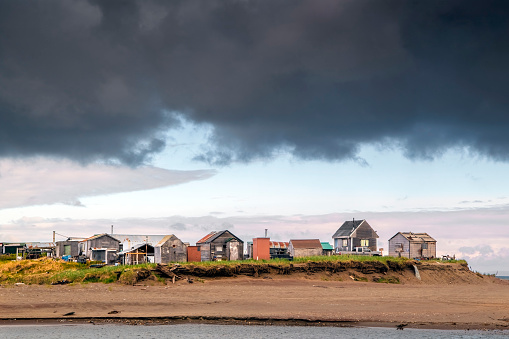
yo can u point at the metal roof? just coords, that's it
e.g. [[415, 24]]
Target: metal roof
[[36, 245], [327, 246], [347, 228], [207, 237], [278, 244], [139, 238], [306, 243]]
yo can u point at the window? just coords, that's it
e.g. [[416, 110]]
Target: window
[[424, 245], [219, 248], [364, 242], [345, 242], [398, 247]]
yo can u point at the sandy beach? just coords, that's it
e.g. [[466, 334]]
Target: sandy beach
[[270, 300]]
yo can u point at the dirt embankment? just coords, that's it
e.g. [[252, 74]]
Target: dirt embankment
[[410, 272]]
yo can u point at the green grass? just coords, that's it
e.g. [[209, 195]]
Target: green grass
[[49, 271]]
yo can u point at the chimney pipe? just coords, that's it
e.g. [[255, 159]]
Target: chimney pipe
[[111, 229], [266, 232], [53, 236]]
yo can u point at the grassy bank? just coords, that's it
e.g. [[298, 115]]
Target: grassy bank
[[52, 271]]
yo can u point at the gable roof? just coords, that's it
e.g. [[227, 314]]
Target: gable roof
[[347, 228], [416, 237], [165, 239], [214, 235], [306, 243]]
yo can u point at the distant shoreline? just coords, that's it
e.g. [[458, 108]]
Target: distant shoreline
[[249, 321]]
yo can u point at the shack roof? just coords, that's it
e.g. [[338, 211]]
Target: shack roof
[[278, 244], [134, 239], [306, 243], [327, 246], [40, 245], [207, 237], [416, 237]]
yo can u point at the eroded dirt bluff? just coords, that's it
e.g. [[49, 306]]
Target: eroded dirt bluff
[[367, 271]]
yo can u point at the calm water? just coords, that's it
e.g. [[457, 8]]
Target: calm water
[[227, 331]]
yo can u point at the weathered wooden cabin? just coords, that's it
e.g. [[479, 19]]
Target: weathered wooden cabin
[[305, 247], [355, 233], [100, 247], [222, 245], [412, 245], [170, 249]]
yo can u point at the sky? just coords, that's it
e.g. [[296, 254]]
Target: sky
[[186, 117]]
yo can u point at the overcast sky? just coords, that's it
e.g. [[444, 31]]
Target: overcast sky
[[192, 116]]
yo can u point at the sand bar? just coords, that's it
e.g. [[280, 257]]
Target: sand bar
[[251, 300]]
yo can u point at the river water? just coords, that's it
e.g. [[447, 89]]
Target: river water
[[228, 331]]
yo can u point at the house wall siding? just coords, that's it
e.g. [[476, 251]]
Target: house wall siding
[[363, 232], [398, 239], [205, 252], [338, 244], [304, 252]]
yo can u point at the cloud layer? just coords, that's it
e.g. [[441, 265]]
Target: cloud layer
[[106, 79], [42, 181]]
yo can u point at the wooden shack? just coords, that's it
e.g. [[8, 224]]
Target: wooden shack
[[100, 247], [170, 249], [69, 247], [139, 254], [305, 247], [222, 245], [412, 245], [355, 233]]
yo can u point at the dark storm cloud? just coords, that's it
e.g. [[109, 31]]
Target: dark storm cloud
[[97, 80]]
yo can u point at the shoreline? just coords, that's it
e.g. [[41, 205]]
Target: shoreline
[[249, 321], [290, 301]]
